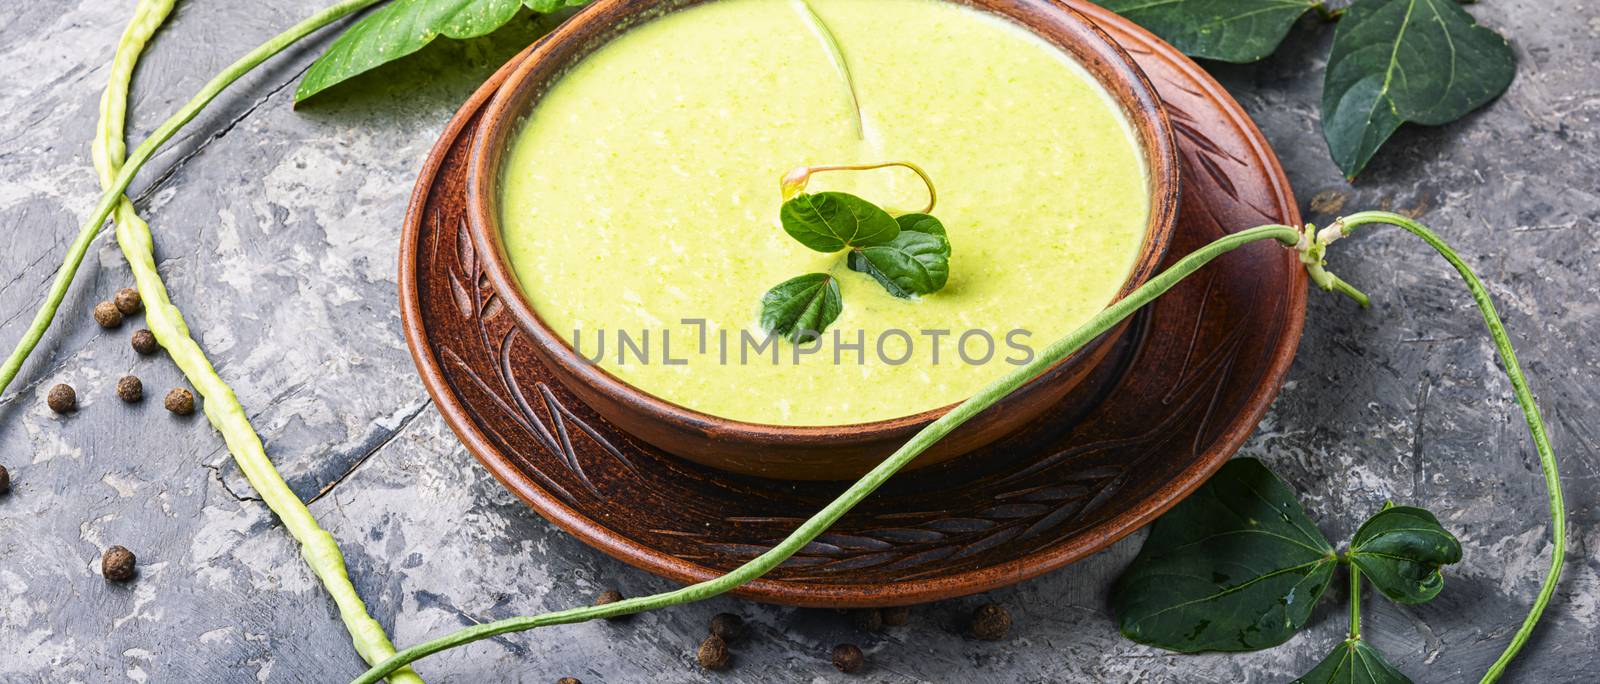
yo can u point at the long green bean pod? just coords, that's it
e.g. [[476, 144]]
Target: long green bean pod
[[830, 514], [136, 160], [1530, 415], [1308, 242], [221, 405]]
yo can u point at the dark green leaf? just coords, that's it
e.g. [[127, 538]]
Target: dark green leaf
[[403, 27], [915, 262], [831, 221], [1237, 566], [1225, 30], [1400, 550], [1393, 61], [1353, 662], [802, 305]]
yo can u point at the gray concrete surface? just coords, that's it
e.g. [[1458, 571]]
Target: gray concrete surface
[[277, 231]]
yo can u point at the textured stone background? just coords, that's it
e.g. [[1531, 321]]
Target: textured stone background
[[277, 232]]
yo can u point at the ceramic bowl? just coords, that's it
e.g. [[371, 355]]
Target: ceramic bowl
[[805, 452]]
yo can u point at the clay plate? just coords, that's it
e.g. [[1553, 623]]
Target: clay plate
[[1175, 398]]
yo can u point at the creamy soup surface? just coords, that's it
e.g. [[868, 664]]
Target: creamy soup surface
[[643, 191]]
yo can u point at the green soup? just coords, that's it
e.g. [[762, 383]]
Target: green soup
[[642, 198]]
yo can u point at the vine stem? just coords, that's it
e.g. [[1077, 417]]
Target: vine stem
[[1355, 601], [836, 55], [1530, 414], [166, 322], [794, 182], [141, 154], [1311, 246], [830, 514]]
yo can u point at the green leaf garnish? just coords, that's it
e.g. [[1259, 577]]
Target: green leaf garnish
[[832, 221], [1237, 566], [1224, 30], [403, 27], [909, 255], [1401, 549], [1394, 61], [801, 305], [1353, 662], [915, 262]]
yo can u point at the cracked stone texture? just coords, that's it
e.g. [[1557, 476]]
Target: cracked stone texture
[[277, 232]]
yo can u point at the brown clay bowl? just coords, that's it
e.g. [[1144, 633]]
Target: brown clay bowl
[[808, 452]]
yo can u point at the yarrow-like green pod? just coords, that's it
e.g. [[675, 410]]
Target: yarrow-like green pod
[[1308, 242], [830, 514], [112, 195], [221, 405], [1525, 400]]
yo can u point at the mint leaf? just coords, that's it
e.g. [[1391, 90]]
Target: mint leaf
[[797, 306], [915, 262], [1353, 662], [1401, 549], [1394, 61], [1237, 566], [832, 221], [1224, 30]]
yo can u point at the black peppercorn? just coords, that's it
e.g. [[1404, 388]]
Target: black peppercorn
[[896, 616], [62, 399], [5, 480], [611, 596], [107, 315], [728, 626], [127, 301], [180, 401], [145, 342], [990, 622], [129, 389], [848, 657], [867, 619], [117, 564], [713, 653]]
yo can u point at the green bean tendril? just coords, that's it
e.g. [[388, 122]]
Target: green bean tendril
[[166, 322], [840, 63], [1355, 601], [1525, 400], [1308, 242], [830, 514]]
